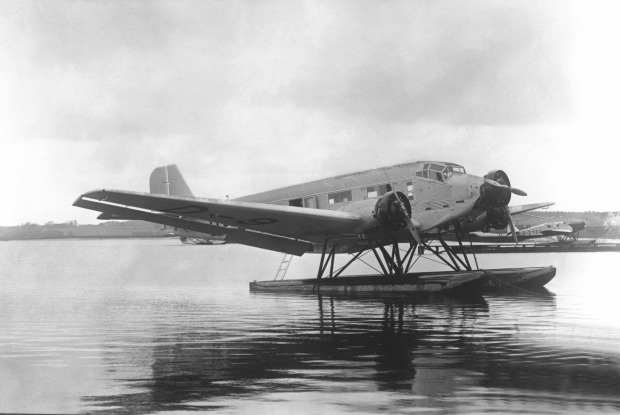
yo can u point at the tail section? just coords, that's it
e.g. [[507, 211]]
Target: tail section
[[168, 180], [165, 180]]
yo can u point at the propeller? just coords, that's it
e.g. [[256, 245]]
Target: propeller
[[410, 225], [513, 229], [514, 190]]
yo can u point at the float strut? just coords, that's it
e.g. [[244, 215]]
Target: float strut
[[454, 255], [325, 262], [438, 255], [374, 251], [458, 238]]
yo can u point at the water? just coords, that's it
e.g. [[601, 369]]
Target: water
[[150, 326]]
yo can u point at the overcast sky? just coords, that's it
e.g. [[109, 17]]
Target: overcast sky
[[250, 95]]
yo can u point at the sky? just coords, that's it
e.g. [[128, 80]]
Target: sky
[[246, 96]]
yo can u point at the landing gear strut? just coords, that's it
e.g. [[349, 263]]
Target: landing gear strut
[[394, 263]]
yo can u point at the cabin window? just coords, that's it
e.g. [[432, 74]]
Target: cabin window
[[296, 202], [339, 197], [410, 190], [376, 191]]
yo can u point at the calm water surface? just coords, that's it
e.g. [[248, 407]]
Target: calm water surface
[[149, 326]]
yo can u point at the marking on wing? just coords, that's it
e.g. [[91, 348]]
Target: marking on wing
[[187, 209], [257, 221], [192, 209]]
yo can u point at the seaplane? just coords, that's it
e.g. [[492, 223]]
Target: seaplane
[[415, 205], [559, 231]]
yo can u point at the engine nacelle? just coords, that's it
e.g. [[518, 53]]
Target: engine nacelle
[[388, 212], [497, 218], [383, 214], [493, 218]]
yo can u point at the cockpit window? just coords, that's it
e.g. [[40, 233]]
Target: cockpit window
[[434, 171], [439, 172]]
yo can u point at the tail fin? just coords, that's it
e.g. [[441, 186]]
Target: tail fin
[[168, 180]]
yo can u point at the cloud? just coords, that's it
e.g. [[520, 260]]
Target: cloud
[[101, 70], [453, 62]]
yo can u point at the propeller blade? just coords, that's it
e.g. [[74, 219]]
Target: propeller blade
[[514, 190], [412, 228], [494, 183], [513, 229]]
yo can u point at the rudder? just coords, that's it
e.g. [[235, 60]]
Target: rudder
[[168, 180]]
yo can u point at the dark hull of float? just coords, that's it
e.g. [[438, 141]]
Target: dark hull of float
[[457, 282], [413, 283], [541, 248], [526, 278]]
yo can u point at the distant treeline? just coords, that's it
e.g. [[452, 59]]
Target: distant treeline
[[71, 229], [598, 225]]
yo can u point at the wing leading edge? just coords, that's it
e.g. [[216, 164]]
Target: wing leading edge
[[280, 228], [515, 210]]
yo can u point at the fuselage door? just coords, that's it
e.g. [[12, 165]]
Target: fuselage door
[[310, 202]]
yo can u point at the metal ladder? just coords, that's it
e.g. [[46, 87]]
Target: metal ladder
[[286, 261]]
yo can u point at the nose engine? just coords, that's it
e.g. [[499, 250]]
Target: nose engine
[[493, 195]]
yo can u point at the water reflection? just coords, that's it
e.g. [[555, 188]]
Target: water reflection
[[437, 352]]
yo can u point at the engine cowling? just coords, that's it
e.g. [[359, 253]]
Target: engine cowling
[[388, 213], [497, 218], [492, 218], [495, 196]]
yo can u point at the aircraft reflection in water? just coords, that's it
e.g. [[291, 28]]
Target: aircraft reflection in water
[[441, 352]]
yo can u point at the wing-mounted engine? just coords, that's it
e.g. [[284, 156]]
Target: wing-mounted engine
[[388, 212], [385, 214]]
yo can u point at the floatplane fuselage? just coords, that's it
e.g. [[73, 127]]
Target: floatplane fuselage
[[352, 213]]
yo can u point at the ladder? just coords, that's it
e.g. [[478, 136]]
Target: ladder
[[286, 261]]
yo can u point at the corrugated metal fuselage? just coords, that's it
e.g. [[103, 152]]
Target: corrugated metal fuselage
[[433, 201]]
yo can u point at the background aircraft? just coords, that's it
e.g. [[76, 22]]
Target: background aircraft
[[563, 230]]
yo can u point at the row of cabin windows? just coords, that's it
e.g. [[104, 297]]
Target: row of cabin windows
[[371, 192]]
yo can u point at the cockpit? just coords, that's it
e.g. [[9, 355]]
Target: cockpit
[[439, 171]]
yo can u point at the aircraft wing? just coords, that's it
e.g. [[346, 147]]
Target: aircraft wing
[[557, 232], [515, 210], [262, 225]]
